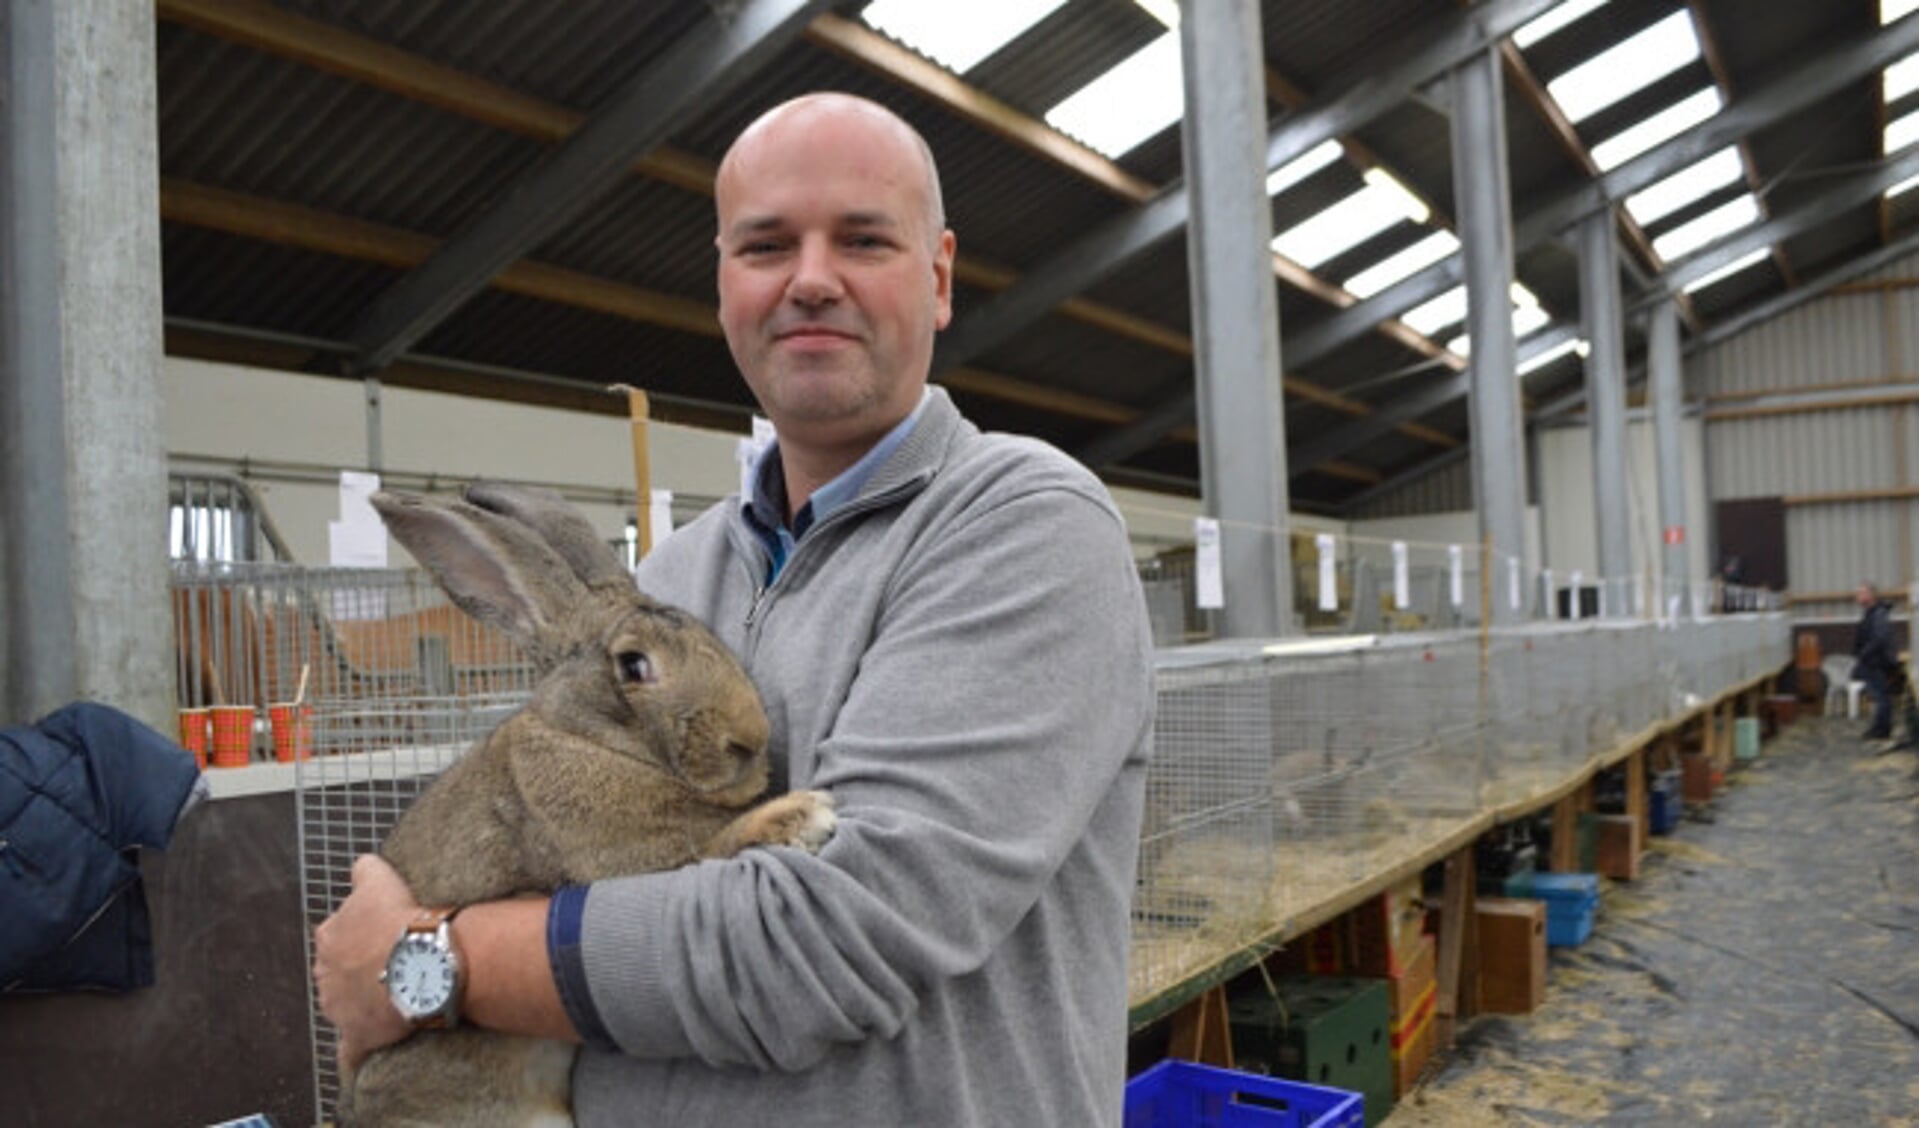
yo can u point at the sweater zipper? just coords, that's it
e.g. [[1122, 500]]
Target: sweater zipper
[[763, 592]]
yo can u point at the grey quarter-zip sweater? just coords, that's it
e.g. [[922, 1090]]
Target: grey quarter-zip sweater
[[960, 656]]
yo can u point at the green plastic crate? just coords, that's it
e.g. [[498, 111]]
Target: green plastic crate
[[1323, 1030]]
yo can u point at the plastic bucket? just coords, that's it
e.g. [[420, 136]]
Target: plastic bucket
[[292, 727], [232, 735]]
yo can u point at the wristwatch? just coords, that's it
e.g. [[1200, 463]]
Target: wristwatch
[[423, 975]]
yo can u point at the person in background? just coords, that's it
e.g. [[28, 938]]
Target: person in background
[[1875, 658], [949, 634]]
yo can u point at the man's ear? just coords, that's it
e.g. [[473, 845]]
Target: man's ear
[[943, 254]]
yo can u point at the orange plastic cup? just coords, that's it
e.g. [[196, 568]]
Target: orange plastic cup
[[232, 735], [292, 731], [193, 734]]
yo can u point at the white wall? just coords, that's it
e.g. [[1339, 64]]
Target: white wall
[[294, 425], [1566, 495]]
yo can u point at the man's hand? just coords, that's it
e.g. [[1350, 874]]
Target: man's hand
[[350, 949]]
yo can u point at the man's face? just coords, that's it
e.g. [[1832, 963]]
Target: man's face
[[1864, 596], [832, 282]]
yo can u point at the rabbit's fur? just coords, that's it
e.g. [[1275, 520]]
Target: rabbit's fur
[[600, 774]]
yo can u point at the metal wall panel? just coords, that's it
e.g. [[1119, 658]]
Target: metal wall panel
[[1837, 339], [1446, 489]]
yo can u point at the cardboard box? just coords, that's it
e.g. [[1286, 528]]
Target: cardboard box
[[1414, 1040], [1389, 930], [1619, 846], [1415, 982], [1695, 777], [1512, 954]]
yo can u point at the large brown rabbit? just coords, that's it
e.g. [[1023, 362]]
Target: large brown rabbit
[[642, 745]]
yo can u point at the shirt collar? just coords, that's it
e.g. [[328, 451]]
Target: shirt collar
[[767, 503]]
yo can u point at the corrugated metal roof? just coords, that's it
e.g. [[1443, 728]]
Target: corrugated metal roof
[[279, 131]]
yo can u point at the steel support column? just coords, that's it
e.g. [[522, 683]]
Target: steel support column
[[1606, 393], [1242, 443], [1663, 377], [1486, 232], [82, 462]]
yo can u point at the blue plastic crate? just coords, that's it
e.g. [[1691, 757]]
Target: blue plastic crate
[[1569, 928], [1179, 1094]]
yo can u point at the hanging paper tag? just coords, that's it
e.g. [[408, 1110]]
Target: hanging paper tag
[[1328, 583], [1512, 582], [659, 516], [1209, 587], [1551, 596], [1572, 599], [1454, 557], [1402, 584]]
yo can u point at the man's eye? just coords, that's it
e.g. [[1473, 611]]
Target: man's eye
[[636, 668]]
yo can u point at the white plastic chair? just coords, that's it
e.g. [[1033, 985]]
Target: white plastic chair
[[1841, 683]]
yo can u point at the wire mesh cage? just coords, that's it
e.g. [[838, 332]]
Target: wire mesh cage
[[383, 682], [1206, 844]]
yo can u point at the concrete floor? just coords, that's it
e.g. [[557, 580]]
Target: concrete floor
[[1763, 970]]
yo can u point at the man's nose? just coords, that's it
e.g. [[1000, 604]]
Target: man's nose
[[816, 279]]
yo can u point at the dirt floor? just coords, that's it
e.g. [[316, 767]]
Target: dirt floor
[[1763, 970]]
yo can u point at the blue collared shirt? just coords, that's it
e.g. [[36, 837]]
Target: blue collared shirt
[[766, 507]]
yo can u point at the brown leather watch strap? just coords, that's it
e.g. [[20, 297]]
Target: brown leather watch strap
[[429, 920]]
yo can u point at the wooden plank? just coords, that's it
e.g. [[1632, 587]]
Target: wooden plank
[[1201, 1032], [1565, 850], [1636, 804], [1455, 936]]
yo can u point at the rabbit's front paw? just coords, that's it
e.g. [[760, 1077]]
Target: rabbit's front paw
[[804, 819], [799, 818]]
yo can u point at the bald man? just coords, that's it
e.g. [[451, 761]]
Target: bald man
[[947, 629]]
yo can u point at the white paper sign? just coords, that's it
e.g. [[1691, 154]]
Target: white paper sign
[[356, 507], [1455, 579], [1572, 599], [659, 517], [1546, 586], [1328, 582], [1512, 583], [1402, 584], [1209, 585]]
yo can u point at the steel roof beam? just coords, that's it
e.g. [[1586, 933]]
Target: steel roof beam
[[1857, 58], [644, 113], [1714, 334], [1108, 247]]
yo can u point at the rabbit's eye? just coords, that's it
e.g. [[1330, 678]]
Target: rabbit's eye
[[636, 667]]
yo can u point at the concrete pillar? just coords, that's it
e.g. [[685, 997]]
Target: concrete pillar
[[1484, 203], [1606, 404], [1242, 444], [83, 493], [1663, 377]]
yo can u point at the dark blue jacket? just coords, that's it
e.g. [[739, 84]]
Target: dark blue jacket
[[79, 793]]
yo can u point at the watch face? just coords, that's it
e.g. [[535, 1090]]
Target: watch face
[[420, 977]]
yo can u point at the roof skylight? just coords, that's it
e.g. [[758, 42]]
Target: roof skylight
[[1694, 234], [1528, 318], [1575, 345], [1648, 56], [1552, 21], [1890, 10], [1448, 308], [1743, 262], [1685, 186], [1904, 186], [1303, 166], [1403, 264], [1901, 133], [1129, 103], [1382, 203], [953, 36], [1901, 78], [1660, 127]]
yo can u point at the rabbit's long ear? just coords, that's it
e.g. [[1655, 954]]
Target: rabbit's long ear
[[497, 570], [560, 525]]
